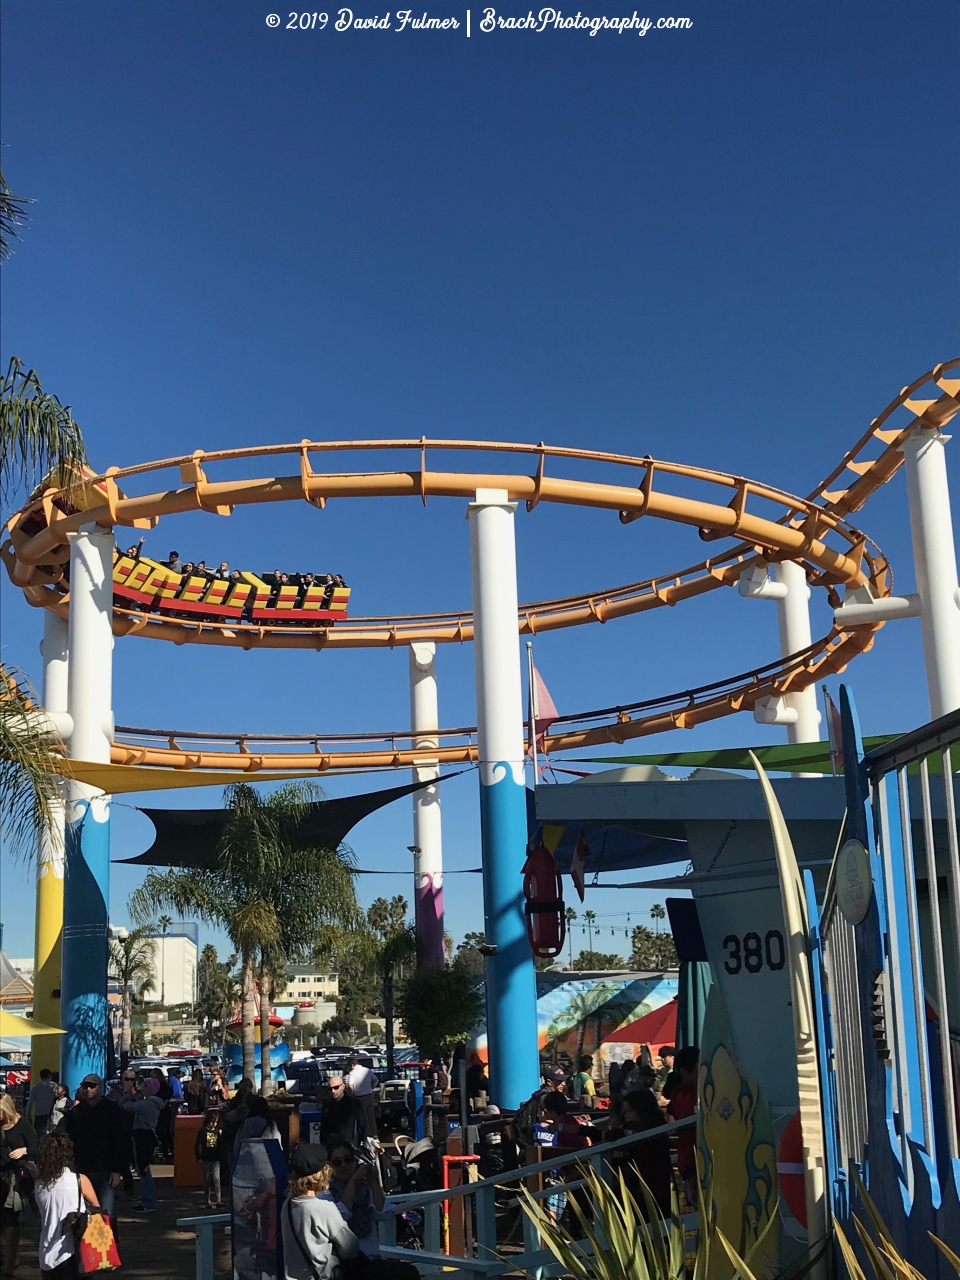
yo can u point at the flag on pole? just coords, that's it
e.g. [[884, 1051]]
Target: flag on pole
[[834, 732], [542, 712], [578, 862]]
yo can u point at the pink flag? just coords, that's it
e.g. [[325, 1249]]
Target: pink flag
[[580, 855], [542, 712]]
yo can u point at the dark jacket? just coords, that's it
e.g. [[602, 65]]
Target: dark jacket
[[344, 1118], [99, 1137], [22, 1134], [205, 1151]]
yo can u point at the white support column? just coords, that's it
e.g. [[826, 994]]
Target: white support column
[[935, 563], [48, 928], [793, 615], [511, 982], [87, 881], [427, 830]]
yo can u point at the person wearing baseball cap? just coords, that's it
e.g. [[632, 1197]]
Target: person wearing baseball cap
[[316, 1239], [554, 1081], [99, 1136]]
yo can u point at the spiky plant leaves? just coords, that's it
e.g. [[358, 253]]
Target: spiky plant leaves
[[13, 216], [850, 1258], [739, 1264], [619, 1243], [38, 435], [873, 1213], [29, 791], [947, 1252]]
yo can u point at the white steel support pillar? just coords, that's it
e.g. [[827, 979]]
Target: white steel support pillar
[[427, 830], [87, 881], [935, 563], [512, 1040], [48, 930], [793, 615]]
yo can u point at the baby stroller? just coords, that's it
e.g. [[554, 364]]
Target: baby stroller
[[418, 1170]]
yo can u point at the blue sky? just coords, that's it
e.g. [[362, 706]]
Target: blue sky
[[729, 245]]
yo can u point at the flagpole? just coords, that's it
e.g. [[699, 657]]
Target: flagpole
[[533, 709]]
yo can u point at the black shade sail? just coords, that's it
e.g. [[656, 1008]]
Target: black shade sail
[[190, 837]]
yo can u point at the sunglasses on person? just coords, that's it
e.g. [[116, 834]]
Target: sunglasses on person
[[339, 1161], [90, 1086]]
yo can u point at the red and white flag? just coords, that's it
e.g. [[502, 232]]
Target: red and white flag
[[578, 862], [541, 711], [834, 732]]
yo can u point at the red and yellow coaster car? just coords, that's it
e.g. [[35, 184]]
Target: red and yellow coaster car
[[145, 582]]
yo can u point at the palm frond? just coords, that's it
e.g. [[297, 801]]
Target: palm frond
[[13, 217], [38, 435], [29, 793]]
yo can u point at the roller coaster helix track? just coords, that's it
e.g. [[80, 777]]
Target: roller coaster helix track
[[814, 531]]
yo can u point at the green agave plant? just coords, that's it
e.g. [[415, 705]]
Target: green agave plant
[[622, 1242]]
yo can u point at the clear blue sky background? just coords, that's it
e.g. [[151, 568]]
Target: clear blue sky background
[[730, 245]]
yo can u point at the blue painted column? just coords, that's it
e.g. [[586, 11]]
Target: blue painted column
[[86, 896], [512, 1036]]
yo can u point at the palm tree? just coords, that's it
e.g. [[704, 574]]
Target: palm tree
[[164, 924], [590, 917], [272, 892], [13, 216], [216, 992], [131, 965], [37, 436], [657, 913], [29, 792], [571, 916]]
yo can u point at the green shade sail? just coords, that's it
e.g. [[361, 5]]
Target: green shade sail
[[798, 757]]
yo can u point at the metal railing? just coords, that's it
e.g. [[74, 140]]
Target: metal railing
[[913, 785], [487, 1260], [431, 1258]]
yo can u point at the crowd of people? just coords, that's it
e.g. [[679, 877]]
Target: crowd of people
[[188, 569], [69, 1155]]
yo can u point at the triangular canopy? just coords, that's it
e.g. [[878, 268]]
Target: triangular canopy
[[190, 837], [656, 1028], [12, 1025]]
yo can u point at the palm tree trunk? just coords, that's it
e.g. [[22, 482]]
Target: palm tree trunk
[[581, 1036], [248, 1013], [125, 1028], [266, 990]]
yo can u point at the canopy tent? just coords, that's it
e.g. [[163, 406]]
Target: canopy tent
[[611, 848], [656, 1028], [122, 779], [190, 837], [13, 1025]]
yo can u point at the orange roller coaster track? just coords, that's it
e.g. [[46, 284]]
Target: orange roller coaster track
[[814, 531]]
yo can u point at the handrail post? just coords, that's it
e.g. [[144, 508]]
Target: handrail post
[[486, 1222], [431, 1227], [204, 1251]]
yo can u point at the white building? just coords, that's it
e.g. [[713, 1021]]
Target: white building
[[305, 983], [175, 965]]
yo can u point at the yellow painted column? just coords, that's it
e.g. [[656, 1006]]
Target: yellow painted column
[[48, 930], [47, 946]]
